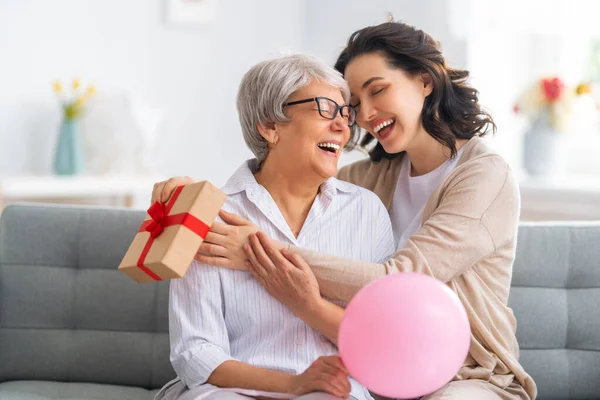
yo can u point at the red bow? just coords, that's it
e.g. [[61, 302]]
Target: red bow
[[160, 218], [157, 212]]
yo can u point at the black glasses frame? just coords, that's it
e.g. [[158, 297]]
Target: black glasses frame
[[338, 108]]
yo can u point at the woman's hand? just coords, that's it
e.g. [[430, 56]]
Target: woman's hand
[[283, 274], [163, 190], [326, 374], [223, 245]]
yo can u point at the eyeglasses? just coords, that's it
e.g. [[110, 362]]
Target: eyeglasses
[[328, 109]]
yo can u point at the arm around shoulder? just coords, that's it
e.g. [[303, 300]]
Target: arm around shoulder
[[476, 212]]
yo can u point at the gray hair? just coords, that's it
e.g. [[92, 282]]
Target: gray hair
[[267, 86]]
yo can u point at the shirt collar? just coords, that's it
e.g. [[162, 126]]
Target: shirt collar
[[333, 185], [243, 179]]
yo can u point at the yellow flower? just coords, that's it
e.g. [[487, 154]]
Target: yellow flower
[[79, 101], [57, 87], [76, 84], [583, 88], [91, 90]]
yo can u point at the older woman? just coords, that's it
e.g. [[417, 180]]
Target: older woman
[[226, 330]]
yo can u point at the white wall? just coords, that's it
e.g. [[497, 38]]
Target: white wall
[[124, 46], [330, 23]]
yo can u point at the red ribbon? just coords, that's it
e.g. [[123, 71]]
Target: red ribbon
[[159, 212]]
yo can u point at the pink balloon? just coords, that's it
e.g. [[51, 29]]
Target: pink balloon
[[404, 336]]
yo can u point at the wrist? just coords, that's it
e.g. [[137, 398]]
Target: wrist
[[289, 384], [313, 308]]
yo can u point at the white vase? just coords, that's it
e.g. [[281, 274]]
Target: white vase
[[544, 151]]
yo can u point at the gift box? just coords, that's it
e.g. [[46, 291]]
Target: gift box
[[171, 234]]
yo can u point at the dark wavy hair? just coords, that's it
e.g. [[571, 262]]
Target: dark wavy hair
[[450, 112]]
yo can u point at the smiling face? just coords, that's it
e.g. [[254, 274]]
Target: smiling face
[[310, 144], [388, 100]]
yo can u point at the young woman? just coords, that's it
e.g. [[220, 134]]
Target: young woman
[[453, 203]]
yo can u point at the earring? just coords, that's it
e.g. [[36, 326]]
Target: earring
[[275, 139]]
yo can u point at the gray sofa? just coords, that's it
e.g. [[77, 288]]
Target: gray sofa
[[73, 327]]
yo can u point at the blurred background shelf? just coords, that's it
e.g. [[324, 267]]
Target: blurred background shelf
[[126, 191], [542, 198], [563, 198]]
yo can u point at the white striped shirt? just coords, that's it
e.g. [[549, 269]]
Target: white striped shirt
[[217, 314]]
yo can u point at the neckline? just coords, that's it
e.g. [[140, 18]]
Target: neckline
[[407, 165]]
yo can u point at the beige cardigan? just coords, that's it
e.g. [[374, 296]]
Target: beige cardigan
[[467, 240]]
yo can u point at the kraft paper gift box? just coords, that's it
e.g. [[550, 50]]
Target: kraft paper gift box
[[171, 234]]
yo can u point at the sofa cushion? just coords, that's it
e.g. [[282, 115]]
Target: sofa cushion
[[555, 295], [44, 390], [66, 313]]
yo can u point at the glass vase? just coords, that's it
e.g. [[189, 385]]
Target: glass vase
[[68, 158]]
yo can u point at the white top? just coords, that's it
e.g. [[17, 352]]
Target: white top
[[217, 314], [411, 196]]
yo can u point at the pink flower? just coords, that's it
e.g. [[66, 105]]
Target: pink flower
[[553, 88]]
